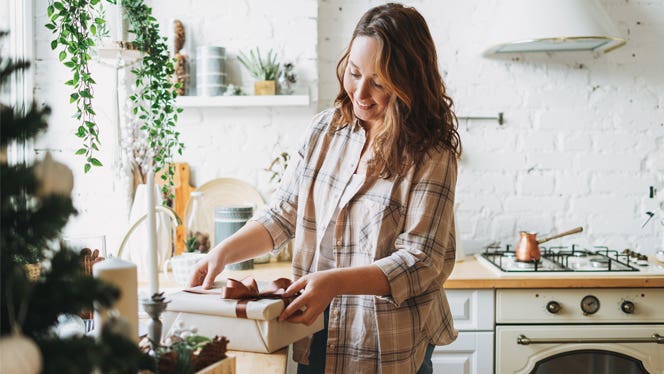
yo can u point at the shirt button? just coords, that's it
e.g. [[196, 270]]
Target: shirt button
[[339, 242], [332, 346]]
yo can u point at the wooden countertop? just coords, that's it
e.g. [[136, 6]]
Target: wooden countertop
[[471, 274]]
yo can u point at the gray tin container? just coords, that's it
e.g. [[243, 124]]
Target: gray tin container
[[210, 70], [227, 220]]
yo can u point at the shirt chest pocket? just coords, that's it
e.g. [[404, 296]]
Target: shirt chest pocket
[[374, 226]]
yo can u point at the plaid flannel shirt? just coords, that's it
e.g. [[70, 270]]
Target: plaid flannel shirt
[[404, 225]]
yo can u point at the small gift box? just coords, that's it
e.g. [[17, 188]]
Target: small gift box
[[243, 312]]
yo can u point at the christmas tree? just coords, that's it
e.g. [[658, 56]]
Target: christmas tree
[[35, 205]]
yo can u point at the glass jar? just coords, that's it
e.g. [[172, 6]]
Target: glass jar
[[197, 239]]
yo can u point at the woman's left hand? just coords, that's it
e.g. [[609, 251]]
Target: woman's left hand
[[318, 289]]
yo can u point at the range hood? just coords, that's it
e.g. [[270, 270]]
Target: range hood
[[552, 26]]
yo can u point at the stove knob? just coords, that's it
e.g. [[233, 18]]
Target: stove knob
[[553, 307], [627, 307]]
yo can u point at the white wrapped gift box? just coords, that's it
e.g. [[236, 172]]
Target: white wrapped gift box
[[212, 315]]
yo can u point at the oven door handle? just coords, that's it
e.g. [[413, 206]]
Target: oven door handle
[[524, 340]]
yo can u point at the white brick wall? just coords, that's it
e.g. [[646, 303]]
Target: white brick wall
[[582, 142]]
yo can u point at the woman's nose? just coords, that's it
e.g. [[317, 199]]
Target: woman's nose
[[362, 90]]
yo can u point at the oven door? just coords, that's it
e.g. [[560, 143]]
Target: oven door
[[596, 349]]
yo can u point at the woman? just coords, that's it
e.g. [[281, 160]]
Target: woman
[[369, 203]]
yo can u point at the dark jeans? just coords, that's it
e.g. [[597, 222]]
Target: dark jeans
[[317, 354]]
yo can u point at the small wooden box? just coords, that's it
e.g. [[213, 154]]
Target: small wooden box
[[225, 366], [265, 88]]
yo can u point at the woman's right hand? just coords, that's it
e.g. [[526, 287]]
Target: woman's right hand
[[207, 269]]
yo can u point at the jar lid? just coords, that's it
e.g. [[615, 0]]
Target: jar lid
[[238, 211]]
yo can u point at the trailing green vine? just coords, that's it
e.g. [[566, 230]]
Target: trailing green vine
[[75, 23], [155, 102]]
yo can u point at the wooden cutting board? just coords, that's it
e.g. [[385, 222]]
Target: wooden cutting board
[[182, 190]]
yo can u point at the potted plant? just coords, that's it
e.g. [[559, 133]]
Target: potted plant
[[263, 70]]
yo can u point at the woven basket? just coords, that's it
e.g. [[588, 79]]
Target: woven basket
[[33, 271]]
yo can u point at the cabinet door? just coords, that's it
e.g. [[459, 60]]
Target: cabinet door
[[470, 353], [472, 310]]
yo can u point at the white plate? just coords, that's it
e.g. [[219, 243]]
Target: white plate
[[225, 192]]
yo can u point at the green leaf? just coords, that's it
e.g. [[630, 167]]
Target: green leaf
[[58, 5], [81, 151], [50, 26], [49, 11], [86, 168], [62, 56], [99, 21], [54, 44], [73, 97], [86, 94], [93, 29], [95, 162]]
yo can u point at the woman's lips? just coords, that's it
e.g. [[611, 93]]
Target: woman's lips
[[363, 106]]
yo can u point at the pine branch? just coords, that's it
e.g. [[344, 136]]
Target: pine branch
[[17, 126]]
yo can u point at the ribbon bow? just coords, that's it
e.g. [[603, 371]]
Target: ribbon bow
[[247, 290]]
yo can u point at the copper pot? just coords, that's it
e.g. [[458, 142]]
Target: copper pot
[[528, 247]]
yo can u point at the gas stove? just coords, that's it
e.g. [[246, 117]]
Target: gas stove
[[569, 261]]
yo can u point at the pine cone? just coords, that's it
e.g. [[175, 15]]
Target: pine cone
[[212, 352], [167, 362], [178, 29]]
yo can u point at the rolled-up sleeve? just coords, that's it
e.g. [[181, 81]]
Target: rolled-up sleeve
[[280, 214], [425, 250]]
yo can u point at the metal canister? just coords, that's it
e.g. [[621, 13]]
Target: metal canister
[[227, 220], [210, 70]]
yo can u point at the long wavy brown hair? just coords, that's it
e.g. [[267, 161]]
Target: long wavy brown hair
[[419, 115]]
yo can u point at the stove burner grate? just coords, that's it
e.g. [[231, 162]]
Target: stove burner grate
[[563, 259]]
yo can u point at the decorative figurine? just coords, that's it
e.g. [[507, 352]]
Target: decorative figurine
[[286, 79]]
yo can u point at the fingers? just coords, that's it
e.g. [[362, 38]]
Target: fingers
[[198, 276], [295, 287], [302, 310], [212, 271]]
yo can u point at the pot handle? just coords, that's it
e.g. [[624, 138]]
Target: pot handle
[[568, 232]]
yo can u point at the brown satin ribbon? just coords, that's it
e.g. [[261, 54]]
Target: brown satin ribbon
[[246, 290]]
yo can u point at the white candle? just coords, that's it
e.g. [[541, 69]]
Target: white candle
[[121, 274], [152, 236]]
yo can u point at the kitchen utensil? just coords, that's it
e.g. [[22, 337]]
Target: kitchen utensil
[[528, 247]]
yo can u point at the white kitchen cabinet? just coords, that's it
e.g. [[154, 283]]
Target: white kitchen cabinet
[[472, 351]]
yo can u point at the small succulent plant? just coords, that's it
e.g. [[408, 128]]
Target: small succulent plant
[[259, 68]]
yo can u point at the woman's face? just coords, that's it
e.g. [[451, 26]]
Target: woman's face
[[361, 82]]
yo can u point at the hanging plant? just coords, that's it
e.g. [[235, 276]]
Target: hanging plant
[[154, 103], [75, 24]]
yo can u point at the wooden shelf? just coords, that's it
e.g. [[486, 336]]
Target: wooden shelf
[[241, 101]]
